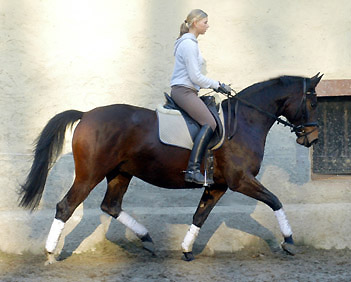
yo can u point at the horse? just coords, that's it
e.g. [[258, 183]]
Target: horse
[[119, 142]]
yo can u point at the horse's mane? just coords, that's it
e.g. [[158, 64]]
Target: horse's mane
[[258, 87]]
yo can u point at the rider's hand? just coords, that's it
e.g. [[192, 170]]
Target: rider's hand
[[223, 88]]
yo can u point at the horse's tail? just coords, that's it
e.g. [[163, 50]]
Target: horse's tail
[[48, 148]]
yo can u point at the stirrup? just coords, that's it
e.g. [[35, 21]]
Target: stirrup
[[208, 181]]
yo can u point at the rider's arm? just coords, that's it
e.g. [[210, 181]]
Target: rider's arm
[[191, 58]]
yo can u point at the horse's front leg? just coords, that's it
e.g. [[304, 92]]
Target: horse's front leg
[[251, 187], [208, 200]]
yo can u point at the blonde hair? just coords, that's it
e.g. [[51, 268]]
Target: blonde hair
[[193, 16]]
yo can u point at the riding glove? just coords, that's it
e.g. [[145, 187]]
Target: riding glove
[[223, 88]]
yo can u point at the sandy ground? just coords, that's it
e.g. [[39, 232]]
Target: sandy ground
[[110, 262]]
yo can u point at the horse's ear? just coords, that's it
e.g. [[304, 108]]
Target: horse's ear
[[316, 79]]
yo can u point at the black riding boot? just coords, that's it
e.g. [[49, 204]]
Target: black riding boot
[[193, 173]]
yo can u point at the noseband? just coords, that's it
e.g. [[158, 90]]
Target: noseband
[[299, 130]]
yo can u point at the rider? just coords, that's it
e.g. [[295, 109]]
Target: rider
[[186, 81]]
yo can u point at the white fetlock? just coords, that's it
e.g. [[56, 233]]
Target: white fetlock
[[54, 235], [283, 223], [189, 239], [132, 224]]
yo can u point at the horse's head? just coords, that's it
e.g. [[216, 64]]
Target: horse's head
[[300, 110]]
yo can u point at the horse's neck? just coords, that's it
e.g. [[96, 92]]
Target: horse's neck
[[266, 101]]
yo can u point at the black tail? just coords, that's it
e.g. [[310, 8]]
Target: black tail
[[48, 148]]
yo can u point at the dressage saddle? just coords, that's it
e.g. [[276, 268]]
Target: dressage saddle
[[194, 126]]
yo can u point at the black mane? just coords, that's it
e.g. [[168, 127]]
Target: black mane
[[258, 87]]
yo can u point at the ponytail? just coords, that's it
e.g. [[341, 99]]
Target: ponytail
[[184, 28]]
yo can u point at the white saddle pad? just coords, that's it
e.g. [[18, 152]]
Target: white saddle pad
[[174, 131]]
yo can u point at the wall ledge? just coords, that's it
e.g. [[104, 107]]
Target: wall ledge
[[334, 87]]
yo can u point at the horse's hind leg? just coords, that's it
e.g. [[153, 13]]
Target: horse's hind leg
[[254, 189], [209, 199], [64, 209], [112, 204]]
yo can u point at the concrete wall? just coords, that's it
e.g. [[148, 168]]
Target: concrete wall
[[59, 55]]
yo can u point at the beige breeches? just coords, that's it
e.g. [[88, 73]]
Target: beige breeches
[[188, 100]]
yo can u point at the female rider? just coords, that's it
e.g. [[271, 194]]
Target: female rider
[[186, 81]]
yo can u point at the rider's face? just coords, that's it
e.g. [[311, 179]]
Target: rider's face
[[201, 25]]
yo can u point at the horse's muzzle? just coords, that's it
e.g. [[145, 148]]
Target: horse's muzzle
[[308, 136]]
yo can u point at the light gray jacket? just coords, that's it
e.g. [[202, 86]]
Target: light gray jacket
[[188, 64]]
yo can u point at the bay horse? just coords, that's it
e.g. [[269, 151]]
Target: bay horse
[[118, 142]]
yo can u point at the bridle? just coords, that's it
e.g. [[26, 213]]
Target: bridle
[[299, 130]]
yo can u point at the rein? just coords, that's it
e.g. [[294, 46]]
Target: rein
[[294, 128]]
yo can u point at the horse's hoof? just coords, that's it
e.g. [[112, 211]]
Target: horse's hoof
[[50, 259], [148, 244], [290, 249], [188, 256]]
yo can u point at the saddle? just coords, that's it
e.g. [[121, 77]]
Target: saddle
[[177, 128]]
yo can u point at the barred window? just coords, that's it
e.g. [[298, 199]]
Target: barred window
[[332, 154]]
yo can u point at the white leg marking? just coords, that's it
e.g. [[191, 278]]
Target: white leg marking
[[283, 223], [54, 235], [132, 224], [189, 239]]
